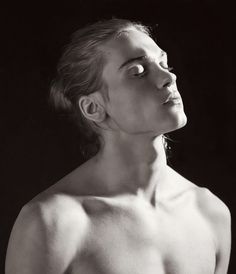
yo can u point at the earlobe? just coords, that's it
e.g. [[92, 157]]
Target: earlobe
[[92, 109]]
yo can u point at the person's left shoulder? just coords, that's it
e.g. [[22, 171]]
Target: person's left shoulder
[[218, 216], [214, 209], [210, 206]]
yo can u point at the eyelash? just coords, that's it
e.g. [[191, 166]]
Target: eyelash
[[168, 68]]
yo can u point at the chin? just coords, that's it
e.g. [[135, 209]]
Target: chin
[[182, 120], [177, 122]]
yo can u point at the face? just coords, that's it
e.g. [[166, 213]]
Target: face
[[142, 92]]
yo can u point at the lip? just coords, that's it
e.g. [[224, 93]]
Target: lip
[[173, 99]]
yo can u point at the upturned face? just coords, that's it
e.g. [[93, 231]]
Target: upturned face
[[142, 92]]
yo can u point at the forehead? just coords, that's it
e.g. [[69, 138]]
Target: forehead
[[131, 43]]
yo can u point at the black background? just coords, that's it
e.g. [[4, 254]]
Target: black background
[[38, 147]]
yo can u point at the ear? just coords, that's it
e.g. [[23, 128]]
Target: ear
[[92, 108]]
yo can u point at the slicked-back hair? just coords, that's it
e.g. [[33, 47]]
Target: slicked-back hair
[[79, 72]]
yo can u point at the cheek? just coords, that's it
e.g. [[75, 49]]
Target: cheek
[[126, 108], [126, 111], [137, 112]]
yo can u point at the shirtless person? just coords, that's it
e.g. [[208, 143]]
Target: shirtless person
[[124, 211]]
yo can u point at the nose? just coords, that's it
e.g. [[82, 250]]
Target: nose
[[165, 78]]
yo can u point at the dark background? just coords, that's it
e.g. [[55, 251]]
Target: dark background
[[38, 147]]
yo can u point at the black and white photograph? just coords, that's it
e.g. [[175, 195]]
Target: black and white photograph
[[118, 137]]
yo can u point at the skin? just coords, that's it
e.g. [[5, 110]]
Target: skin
[[133, 213]]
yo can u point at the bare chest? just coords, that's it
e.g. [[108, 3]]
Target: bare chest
[[138, 239]]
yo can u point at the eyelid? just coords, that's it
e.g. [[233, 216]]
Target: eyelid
[[135, 64], [148, 61], [132, 70]]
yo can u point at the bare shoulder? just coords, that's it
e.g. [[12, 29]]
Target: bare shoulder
[[212, 207], [46, 235], [218, 216], [208, 203]]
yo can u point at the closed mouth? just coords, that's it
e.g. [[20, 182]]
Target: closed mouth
[[173, 99]]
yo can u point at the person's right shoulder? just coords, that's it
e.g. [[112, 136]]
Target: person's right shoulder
[[47, 235]]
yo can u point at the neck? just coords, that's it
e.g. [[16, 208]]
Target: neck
[[132, 164]]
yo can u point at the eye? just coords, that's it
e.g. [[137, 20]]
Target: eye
[[137, 70]]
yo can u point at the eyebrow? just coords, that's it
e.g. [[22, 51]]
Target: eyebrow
[[139, 58]]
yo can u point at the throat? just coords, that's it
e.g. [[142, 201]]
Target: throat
[[132, 168]]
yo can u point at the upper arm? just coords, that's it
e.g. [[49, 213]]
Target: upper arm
[[45, 240], [220, 219], [223, 231], [26, 252]]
